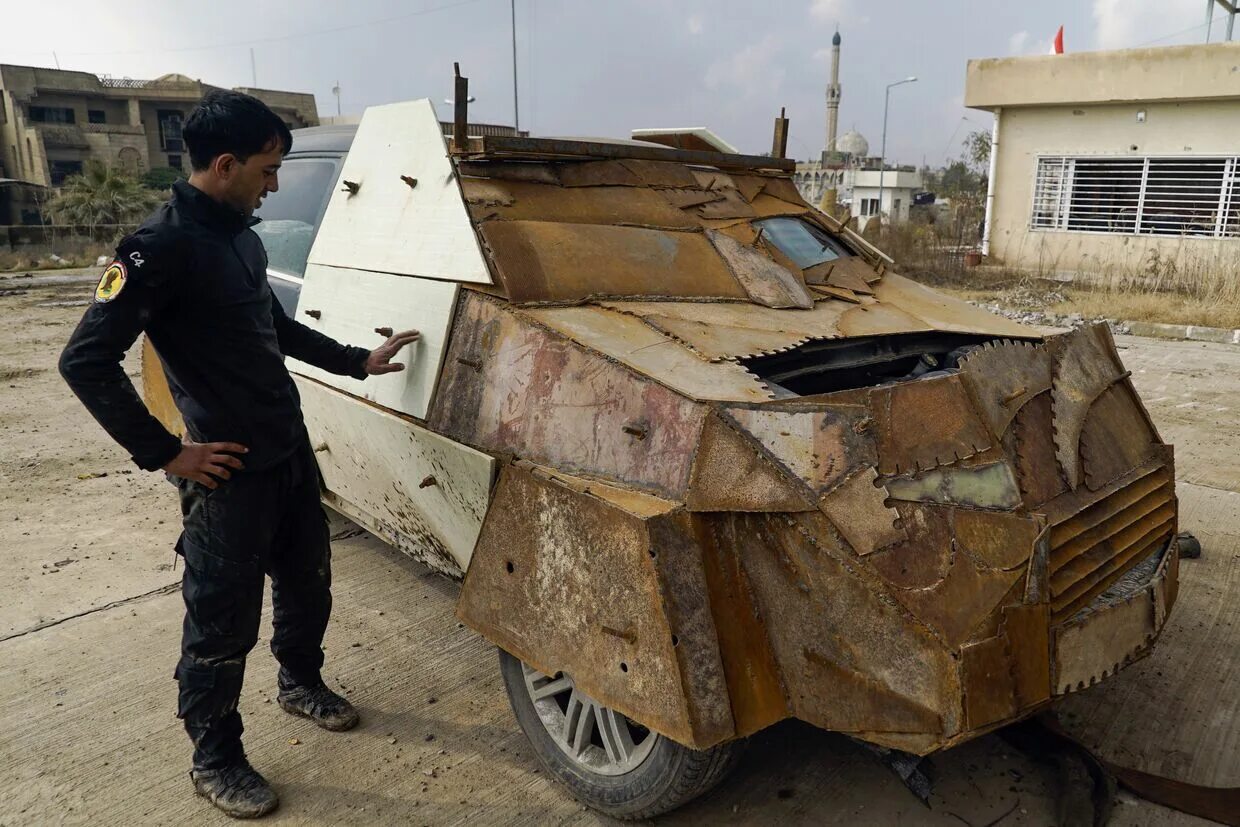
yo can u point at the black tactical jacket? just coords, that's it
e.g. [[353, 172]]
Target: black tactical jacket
[[193, 277]]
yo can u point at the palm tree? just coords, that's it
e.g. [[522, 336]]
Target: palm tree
[[101, 195]]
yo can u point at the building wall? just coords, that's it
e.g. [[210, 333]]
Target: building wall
[[130, 134], [109, 143], [896, 200], [814, 178], [156, 153], [298, 109], [1111, 130], [1167, 73]]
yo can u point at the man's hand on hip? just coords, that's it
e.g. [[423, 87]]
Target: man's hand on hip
[[205, 461], [380, 359]]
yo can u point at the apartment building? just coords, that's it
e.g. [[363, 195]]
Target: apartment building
[[53, 121]]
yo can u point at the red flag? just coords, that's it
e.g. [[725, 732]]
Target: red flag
[[1057, 46]]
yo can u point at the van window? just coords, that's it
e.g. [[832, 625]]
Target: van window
[[291, 215]]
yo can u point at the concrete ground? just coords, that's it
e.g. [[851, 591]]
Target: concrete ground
[[90, 621]]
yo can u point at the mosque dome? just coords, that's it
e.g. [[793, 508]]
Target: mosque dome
[[853, 143], [835, 41]]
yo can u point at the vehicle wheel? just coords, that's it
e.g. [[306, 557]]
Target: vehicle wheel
[[608, 762]]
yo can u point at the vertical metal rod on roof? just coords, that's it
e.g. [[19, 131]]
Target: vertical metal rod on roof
[[253, 71], [779, 146], [516, 110], [461, 114]]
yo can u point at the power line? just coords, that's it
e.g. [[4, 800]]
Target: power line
[[963, 119], [1170, 36], [277, 39]]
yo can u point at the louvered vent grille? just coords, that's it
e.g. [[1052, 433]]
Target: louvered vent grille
[[1094, 548]]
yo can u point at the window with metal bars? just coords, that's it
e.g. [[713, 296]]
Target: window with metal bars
[[1183, 196]]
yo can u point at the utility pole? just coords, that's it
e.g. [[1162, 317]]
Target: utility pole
[[882, 159], [336, 92], [516, 111]]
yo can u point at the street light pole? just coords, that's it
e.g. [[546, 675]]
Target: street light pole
[[516, 110], [882, 160]]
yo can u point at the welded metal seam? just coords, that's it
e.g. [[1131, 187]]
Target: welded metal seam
[[982, 563], [678, 340], [758, 379], [745, 582], [880, 587], [1009, 660], [918, 466], [679, 656], [793, 346], [1068, 455], [1087, 451], [974, 363], [762, 451], [528, 319], [1025, 476], [897, 521]]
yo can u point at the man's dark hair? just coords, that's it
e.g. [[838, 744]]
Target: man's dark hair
[[233, 123]]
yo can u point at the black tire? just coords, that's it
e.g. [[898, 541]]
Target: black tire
[[670, 776], [1189, 545]]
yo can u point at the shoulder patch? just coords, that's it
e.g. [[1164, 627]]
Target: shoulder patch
[[111, 282]]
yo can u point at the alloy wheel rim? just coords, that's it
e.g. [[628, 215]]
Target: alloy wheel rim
[[594, 737]]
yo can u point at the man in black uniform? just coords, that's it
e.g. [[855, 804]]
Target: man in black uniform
[[193, 277]]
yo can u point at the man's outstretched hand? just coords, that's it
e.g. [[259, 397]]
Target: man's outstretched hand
[[380, 359], [205, 461]]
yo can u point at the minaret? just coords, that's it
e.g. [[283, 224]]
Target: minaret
[[833, 92]]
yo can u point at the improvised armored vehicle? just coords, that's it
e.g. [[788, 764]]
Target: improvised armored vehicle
[[703, 458]]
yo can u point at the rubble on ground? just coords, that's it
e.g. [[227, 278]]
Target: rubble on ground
[[1027, 304]]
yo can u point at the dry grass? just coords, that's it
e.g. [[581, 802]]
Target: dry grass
[[76, 253], [1148, 307], [1094, 303], [1183, 290]]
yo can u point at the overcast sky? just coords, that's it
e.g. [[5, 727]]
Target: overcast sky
[[603, 67]]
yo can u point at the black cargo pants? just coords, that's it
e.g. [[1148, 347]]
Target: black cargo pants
[[264, 522]]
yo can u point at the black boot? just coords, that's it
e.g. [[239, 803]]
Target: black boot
[[318, 703], [236, 788]]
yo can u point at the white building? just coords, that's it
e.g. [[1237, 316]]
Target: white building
[[1114, 161], [814, 178], [898, 188]]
